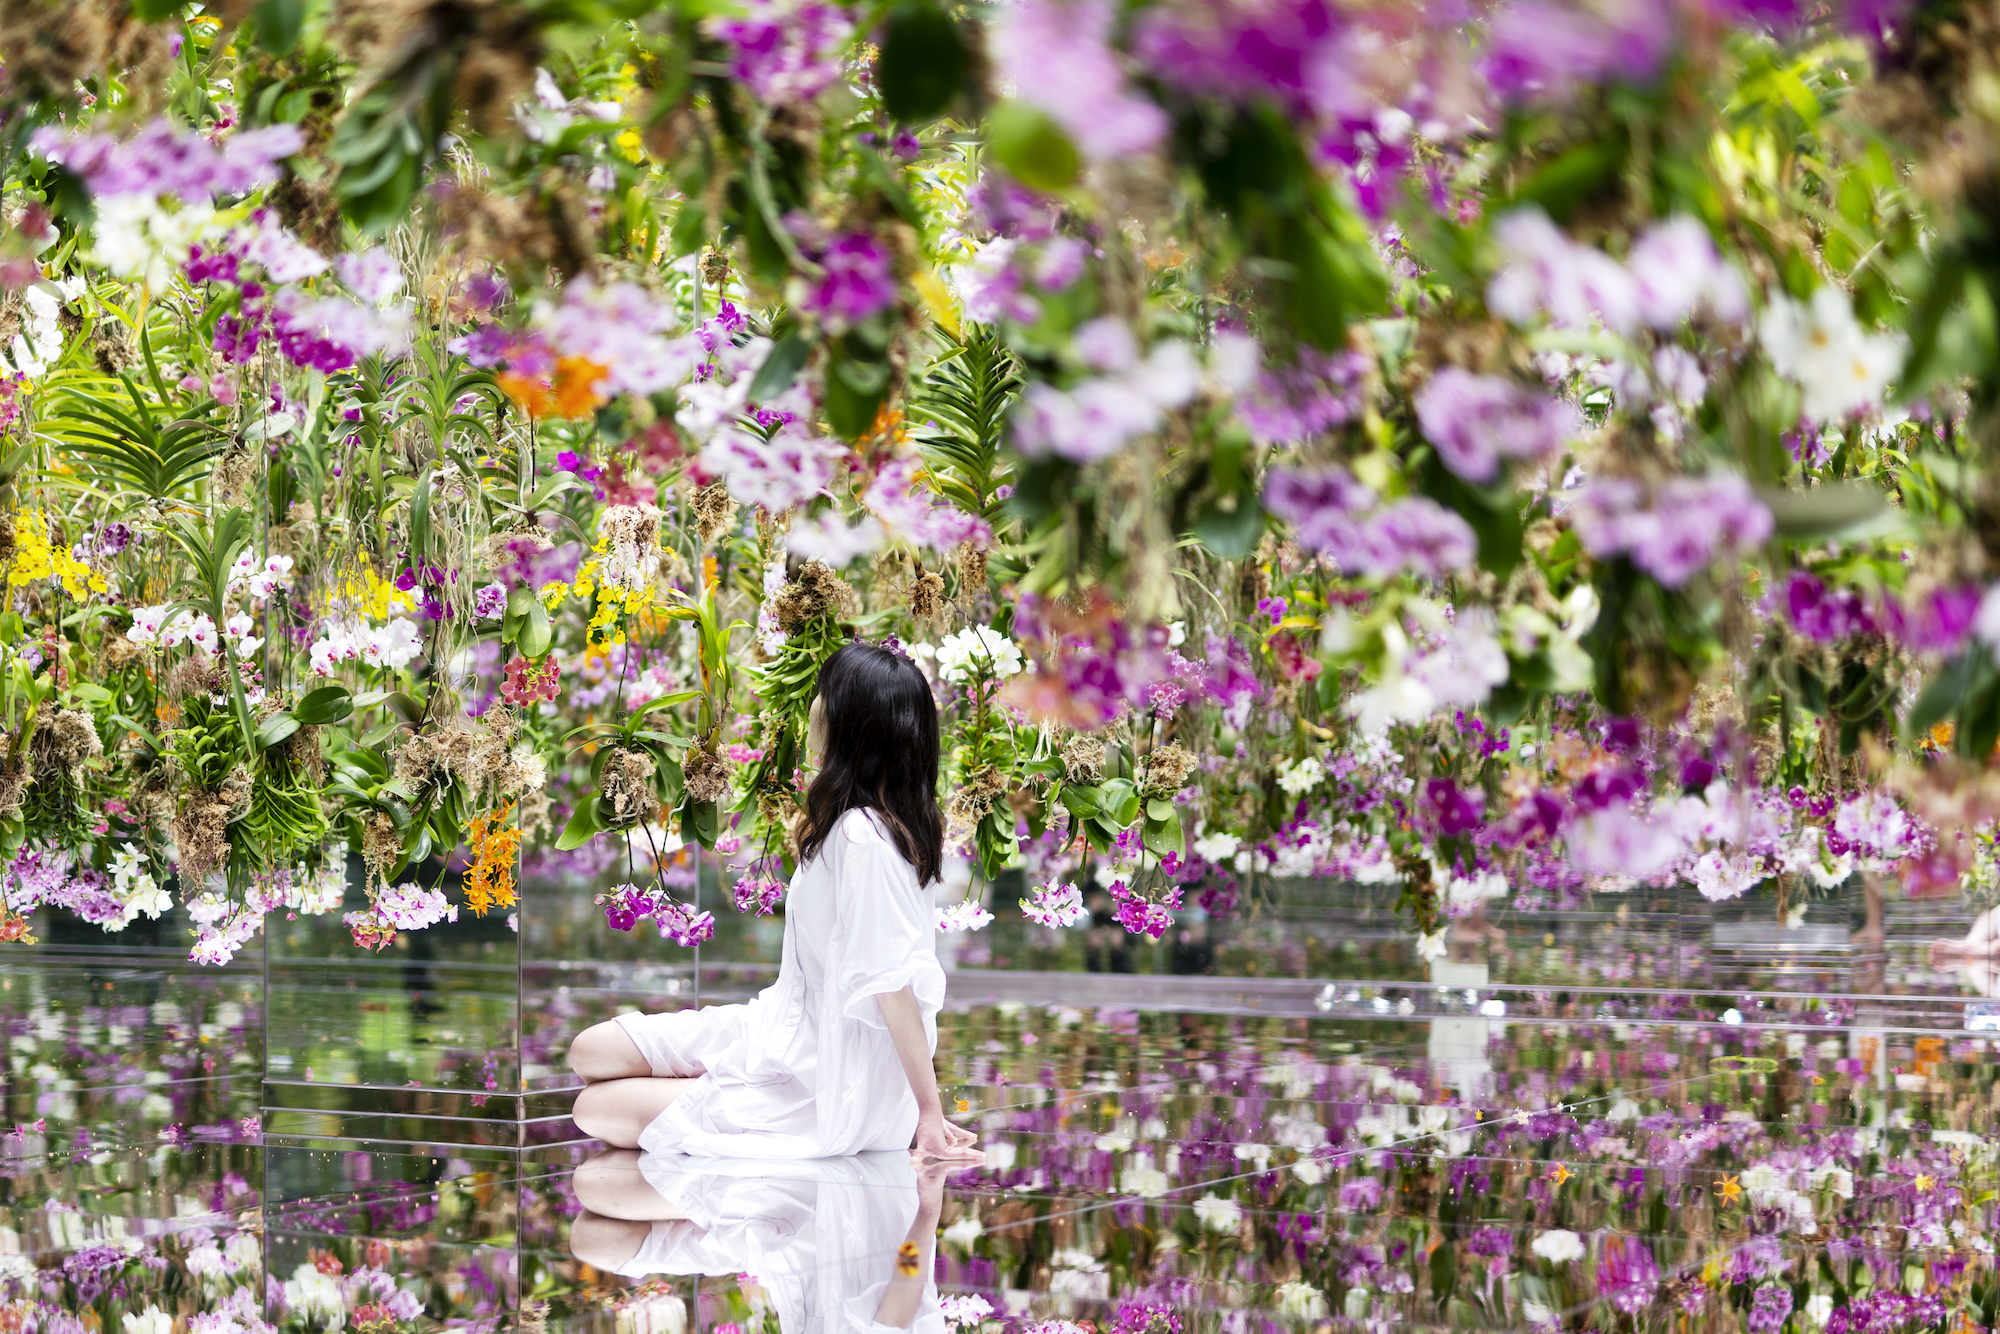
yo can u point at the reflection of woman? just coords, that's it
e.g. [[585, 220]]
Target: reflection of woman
[[838, 1243], [835, 1057], [1977, 955]]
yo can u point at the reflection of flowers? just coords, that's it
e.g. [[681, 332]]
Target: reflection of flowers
[[1559, 1246], [1218, 1214]]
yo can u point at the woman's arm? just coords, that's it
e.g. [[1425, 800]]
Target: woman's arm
[[900, 1299], [936, 1137]]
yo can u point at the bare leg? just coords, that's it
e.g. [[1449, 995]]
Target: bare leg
[[606, 1051], [1979, 945], [617, 1111], [611, 1185], [1871, 936], [607, 1244]]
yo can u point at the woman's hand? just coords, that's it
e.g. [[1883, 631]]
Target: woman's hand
[[938, 1138]]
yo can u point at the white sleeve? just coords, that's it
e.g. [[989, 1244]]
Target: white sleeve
[[888, 928]]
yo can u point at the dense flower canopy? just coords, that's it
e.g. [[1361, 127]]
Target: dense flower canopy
[[1523, 449]]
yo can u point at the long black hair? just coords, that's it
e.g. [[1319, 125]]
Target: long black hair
[[881, 753]]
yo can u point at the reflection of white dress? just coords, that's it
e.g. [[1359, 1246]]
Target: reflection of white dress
[[806, 1069], [819, 1236]]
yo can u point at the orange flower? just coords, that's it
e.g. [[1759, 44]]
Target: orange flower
[[490, 882], [577, 379], [530, 393]]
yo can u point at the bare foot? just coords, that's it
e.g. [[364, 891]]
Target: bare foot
[[1947, 953], [1869, 939]]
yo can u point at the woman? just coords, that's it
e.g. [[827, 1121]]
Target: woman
[[835, 1057], [836, 1244]]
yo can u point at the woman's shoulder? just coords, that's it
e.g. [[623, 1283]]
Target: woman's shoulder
[[862, 835], [861, 827]]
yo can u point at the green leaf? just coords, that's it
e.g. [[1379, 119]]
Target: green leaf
[[328, 704], [420, 517], [923, 61], [1490, 509], [381, 732], [781, 367], [536, 632], [1121, 800], [1081, 802], [275, 729], [1560, 186], [662, 702], [1943, 693], [1825, 511], [582, 826], [1031, 147], [1159, 808], [700, 823], [278, 24], [1231, 532], [851, 408]]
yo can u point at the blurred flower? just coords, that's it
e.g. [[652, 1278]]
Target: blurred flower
[[964, 916], [1477, 420], [1820, 346], [858, 282], [1559, 1246], [786, 51], [1057, 54], [1690, 520]]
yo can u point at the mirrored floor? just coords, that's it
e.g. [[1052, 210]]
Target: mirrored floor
[[1444, 1153]]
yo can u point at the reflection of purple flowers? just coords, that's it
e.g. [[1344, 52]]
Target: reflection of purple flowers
[[1887, 1312], [1628, 1275], [1769, 1309], [1477, 420], [1361, 1193], [1757, 1258]]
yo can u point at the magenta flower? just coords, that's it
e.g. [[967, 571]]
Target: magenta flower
[[1824, 615], [784, 53], [859, 281]]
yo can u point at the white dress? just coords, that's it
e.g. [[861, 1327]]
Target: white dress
[[806, 1069], [820, 1237]]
